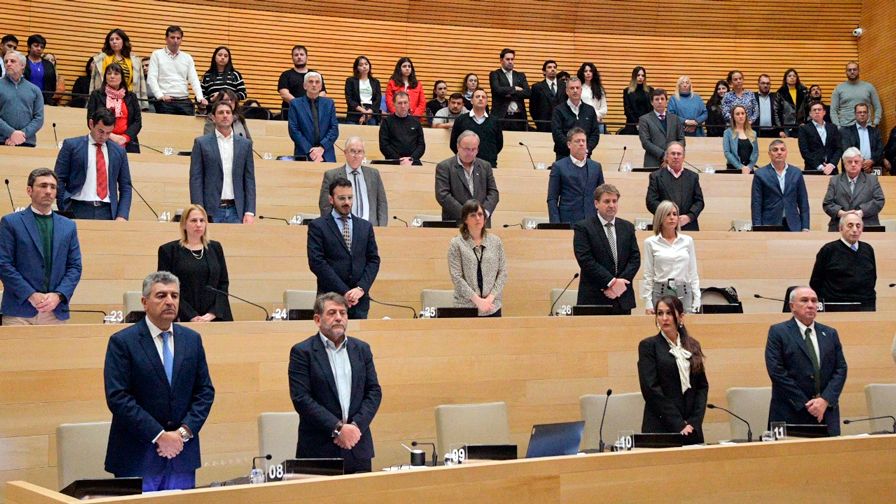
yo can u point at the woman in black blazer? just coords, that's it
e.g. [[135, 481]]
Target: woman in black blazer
[[672, 377], [362, 110], [114, 95], [197, 262]]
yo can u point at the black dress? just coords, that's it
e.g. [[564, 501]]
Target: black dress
[[635, 104], [194, 274], [715, 121]]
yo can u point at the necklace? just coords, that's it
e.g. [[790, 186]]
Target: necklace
[[198, 256]]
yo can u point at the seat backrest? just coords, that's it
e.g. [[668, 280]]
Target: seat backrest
[[624, 413], [131, 302], [81, 451], [278, 434], [462, 424], [752, 404], [881, 400], [436, 298], [299, 299], [568, 298]]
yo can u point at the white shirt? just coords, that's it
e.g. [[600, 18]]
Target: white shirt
[[156, 334], [552, 84], [366, 91], [512, 108], [844, 242], [359, 193], [225, 149], [88, 190], [341, 367], [573, 107], [813, 336], [782, 175], [576, 162], [864, 141], [600, 106], [665, 261], [603, 225], [765, 109], [169, 73], [477, 119], [821, 132]]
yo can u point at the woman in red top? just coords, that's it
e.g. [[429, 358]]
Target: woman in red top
[[404, 78], [114, 95]]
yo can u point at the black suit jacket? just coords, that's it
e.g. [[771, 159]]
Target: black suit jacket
[[655, 137], [313, 392], [353, 97], [542, 103], [337, 268], [595, 259], [170, 259], [849, 137], [143, 403], [666, 408], [504, 92], [814, 152], [564, 120], [663, 186], [97, 100], [775, 116], [452, 190]]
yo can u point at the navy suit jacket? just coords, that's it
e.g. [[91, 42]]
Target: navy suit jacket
[[22, 263], [337, 268], [814, 152], [571, 190], [793, 378], [768, 206], [207, 174], [143, 403], [313, 392], [71, 170], [301, 126]]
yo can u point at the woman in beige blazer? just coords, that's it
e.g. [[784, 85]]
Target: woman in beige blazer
[[477, 264]]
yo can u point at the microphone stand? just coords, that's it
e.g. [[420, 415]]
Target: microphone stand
[[551, 313], [267, 315]]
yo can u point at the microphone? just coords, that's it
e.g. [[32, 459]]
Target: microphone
[[267, 315], [13, 205], [757, 296], [624, 149], [891, 285], [274, 218], [551, 313], [265, 457], [530, 155], [749, 430], [692, 167], [252, 147], [406, 223], [394, 305], [340, 148], [56, 138], [868, 419], [150, 147], [435, 454], [144, 201], [519, 225], [601, 445]]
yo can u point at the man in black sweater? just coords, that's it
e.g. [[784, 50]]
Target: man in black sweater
[[491, 137], [845, 269], [401, 135]]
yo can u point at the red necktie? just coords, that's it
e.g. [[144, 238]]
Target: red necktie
[[102, 184]]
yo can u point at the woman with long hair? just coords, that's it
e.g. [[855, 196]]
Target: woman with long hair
[[363, 94], [715, 121], [636, 100], [739, 143], [477, 264], [471, 84], [670, 261], [593, 91], [738, 95], [789, 100], [115, 96], [439, 99], [404, 78], [117, 49], [221, 75]]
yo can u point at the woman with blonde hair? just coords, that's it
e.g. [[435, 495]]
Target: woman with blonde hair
[[689, 107], [669, 262], [739, 142]]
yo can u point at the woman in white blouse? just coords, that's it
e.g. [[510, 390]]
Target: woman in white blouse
[[593, 91], [670, 262]]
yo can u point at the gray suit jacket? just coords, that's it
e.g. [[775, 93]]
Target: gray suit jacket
[[207, 174], [376, 194], [655, 138], [452, 190], [867, 197]]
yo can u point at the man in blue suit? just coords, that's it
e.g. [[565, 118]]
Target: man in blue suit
[[779, 195], [222, 171], [94, 177], [573, 181], [312, 122], [159, 392], [40, 258], [806, 365], [334, 388], [342, 251]]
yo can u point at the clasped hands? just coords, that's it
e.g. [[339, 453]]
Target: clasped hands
[[817, 406], [169, 444], [617, 288], [44, 302], [348, 437], [353, 296], [484, 305]]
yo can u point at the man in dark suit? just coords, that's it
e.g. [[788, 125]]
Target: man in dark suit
[[546, 95], [658, 128], [819, 142], [464, 177], [677, 185], [806, 365], [368, 194], [40, 258], [510, 89], [334, 388], [853, 191], [222, 171], [312, 123], [342, 251], [573, 181], [867, 139], [573, 113], [778, 195], [845, 269], [767, 123], [94, 177], [159, 392], [607, 252]]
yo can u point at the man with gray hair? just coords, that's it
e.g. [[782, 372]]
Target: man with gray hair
[[21, 104], [368, 194], [464, 177], [853, 191], [677, 185], [159, 391], [845, 270], [574, 114], [312, 123]]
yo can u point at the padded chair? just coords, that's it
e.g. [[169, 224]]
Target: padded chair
[[479, 423], [299, 299], [881, 400], [131, 302], [643, 223], [624, 413], [888, 224], [436, 298], [741, 225], [81, 451], [278, 434], [569, 298], [530, 221], [751, 403], [419, 218]]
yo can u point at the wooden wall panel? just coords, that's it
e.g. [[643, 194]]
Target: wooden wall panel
[[876, 49]]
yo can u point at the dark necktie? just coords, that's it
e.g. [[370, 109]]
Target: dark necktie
[[316, 121], [611, 237], [360, 201], [810, 347], [346, 233]]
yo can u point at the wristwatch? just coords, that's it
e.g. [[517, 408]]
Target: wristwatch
[[184, 435], [337, 430]]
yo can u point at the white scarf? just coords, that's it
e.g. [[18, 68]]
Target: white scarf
[[682, 357]]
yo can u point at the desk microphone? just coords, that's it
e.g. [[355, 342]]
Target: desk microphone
[[518, 224], [265, 457], [13, 205], [150, 147], [406, 222], [891, 285], [394, 305], [601, 445], [101, 312], [868, 419], [252, 147], [54, 135], [338, 147], [435, 454], [530, 155], [551, 313], [267, 315], [266, 217], [692, 167], [624, 149], [749, 430], [757, 296], [134, 188]]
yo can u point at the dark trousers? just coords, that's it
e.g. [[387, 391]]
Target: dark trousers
[[515, 122], [182, 106], [360, 310], [353, 465], [85, 210]]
